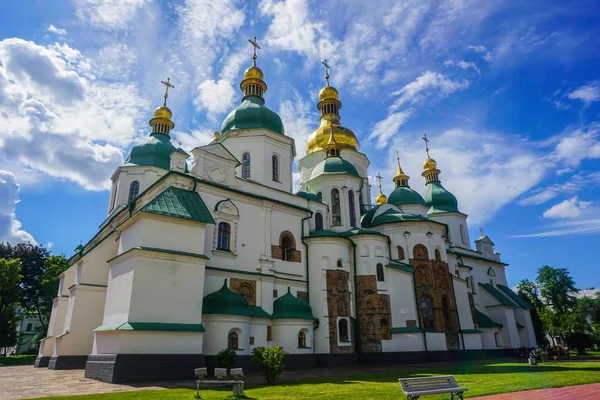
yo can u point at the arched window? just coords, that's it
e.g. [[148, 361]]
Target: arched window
[[400, 253], [385, 329], [463, 235], [223, 236], [232, 341], [469, 282], [318, 221], [420, 252], [446, 311], [336, 212], [438, 255], [427, 312], [380, 273], [134, 190], [275, 167], [301, 339], [287, 248], [343, 330], [340, 263], [246, 165], [247, 292], [352, 210], [361, 204], [497, 339]]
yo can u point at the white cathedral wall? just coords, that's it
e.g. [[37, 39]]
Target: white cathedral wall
[[344, 183], [217, 332], [462, 303], [473, 341], [417, 235], [402, 298], [529, 340], [436, 341], [55, 325], [370, 251], [488, 340], [506, 317], [84, 313], [147, 342], [454, 222], [125, 175], [93, 267], [258, 330], [149, 230], [118, 294], [285, 334], [323, 255], [404, 342]]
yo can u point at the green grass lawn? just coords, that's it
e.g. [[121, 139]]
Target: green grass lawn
[[481, 379], [17, 360]]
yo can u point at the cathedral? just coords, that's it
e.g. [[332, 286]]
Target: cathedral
[[212, 250]]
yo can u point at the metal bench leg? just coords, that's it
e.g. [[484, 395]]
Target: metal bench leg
[[458, 395], [197, 389]]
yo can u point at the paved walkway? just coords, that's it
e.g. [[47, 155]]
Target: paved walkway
[[582, 392]]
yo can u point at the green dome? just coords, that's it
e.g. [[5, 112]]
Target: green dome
[[289, 306], [252, 114], [438, 199], [155, 152], [309, 196], [226, 302], [389, 216], [334, 165], [405, 195]]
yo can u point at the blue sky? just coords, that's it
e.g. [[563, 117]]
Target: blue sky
[[508, 93]]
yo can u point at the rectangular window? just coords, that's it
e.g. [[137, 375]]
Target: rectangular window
[[275, 293], [29, 327]]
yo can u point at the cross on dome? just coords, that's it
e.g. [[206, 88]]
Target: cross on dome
[[168, 85], [379, 178], [426, 144], [324, 62], [254, 44]]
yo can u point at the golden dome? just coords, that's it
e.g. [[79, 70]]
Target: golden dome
[[381, 199], [328, 92], [163, 112], [344, 137], [253, 73], [429, 163]]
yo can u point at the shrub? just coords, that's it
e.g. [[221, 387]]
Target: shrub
[[226, 358], [270, 362], [18, 360]]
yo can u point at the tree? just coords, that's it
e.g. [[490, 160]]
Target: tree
[[529, 292], [9, 296], [270, 362], [556, 287]]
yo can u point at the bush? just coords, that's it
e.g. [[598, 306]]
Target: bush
[[270, 362], [18, 360], [226, 358]]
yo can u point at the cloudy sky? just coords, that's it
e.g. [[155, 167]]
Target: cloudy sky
[[508, 93]]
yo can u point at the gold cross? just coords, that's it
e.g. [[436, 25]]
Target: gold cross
[[379, 178], [168, 85], [426, 144], [254, 43], [324, 62]]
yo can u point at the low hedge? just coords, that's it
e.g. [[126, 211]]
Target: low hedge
[[17, 360]]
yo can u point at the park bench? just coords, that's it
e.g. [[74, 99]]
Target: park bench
[[414, 388], [221, 379]]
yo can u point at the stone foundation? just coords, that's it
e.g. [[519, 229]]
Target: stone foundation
[[67, 362]]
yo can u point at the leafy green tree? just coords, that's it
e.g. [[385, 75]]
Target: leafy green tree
[[529, 292], [270, 362], [9, 296]]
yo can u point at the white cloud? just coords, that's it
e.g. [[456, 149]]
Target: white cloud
[[572, 186], [486, 54], [10, 227], [116, 61], [215, 97], [58, 31], [578, 145], [588, 93], [108, 14], [429, 84], [385, 129], [298, 119], [463, 65], [570, 208], [58, 119]]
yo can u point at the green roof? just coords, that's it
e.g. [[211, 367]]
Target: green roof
[[390, 216], [334, 165], [150, 326], [497, 294], [224, 301], [515, 296], [258, 312], [486, 322], [468, 331], [406, 329], [350, 232], [438, 199], [309, 196], [461, 253], [155, 152], [252, 114], [401, 267], [179, 203], [405, 195], [289, 306]]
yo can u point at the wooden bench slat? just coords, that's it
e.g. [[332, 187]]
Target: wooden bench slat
[[430, 385], [439, 391], [426, 378]]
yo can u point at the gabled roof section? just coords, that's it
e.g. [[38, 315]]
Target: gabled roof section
[[497, 294], [485, 238], [515, 297], [179, 203], [486, 322], [217, 149]]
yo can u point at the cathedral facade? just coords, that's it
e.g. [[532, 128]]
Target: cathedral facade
[[212, 250]]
